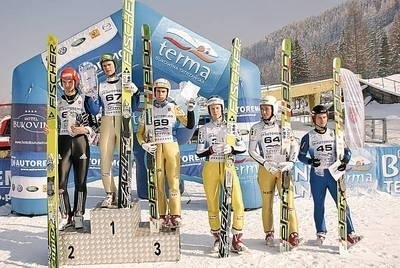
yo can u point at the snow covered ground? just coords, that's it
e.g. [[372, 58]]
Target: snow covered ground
[[376, 216], [390, 83], [23, 240]]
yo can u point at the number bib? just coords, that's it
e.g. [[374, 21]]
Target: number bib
[[110, 95], [269, 138], [323, 146], [164, 119], [70, 114]]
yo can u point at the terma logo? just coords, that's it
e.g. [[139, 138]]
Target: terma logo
[[187, 54]]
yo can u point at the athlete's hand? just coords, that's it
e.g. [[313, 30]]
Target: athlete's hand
[[218, 148], [190, 105], [149, 147], [46, 130], [284, 166], [76, 130], [315, 162], [132, 88], [227, 149], [342, 166], [271, 166]]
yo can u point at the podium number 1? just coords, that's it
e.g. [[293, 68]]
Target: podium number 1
[[112, 224]]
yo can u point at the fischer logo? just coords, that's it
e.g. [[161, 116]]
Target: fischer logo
[[187, 54]]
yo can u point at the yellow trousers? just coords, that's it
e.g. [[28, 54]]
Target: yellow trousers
[[110, 129], [267, 183], [213, 178], [168, 165]]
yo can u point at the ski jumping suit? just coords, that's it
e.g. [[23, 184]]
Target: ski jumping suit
[[165, 116], [322, 147], [73, 150], [109, 100], [210, 135], [265, 145]]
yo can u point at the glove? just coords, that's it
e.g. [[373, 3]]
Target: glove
[[342, 166], [132, 88], [271, 167], [315, 162], [218, 148], [149, 147], [227, 149], [284, 166], [190, 105]]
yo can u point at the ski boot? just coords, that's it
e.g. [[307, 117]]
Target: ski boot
[[237, 245], [217, 239], [109, 201], [175, 221], [353, 239], [164, 221], [321, 238], [65, 222], [294, 240], [78, 221], [269, 238]]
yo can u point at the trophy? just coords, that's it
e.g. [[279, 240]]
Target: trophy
[[88, 76]]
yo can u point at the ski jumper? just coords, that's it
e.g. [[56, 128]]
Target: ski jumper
[[265, 145], [109, 100], [73, 151], [213, 134], [322, 146], [165, 118]]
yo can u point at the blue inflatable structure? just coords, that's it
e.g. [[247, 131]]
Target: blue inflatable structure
[[178, 55]]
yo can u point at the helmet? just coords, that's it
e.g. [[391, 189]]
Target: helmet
[[270, 100], [69, 73], [108, 57], [215, 100], [319, 109], [163, 83]]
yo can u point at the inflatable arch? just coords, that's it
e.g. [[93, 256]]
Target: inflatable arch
[[178, 55]]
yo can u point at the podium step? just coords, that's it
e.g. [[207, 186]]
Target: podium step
[[117, 236]]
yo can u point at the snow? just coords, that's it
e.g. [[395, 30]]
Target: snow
[[389, 83], [375, 216]]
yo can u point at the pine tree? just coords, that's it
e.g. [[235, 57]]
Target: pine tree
[[354, 40], [394, 44], [384, 57], [374, 35], [300, 69]]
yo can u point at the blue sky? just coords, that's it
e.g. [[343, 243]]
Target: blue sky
[[26, 23]]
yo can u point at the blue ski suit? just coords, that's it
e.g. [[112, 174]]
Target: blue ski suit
[[322, 146]]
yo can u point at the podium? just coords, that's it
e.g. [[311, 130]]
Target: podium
[[117, 236]]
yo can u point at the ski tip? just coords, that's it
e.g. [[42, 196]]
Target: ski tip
[[235, 40], [336, 62], [146, 27], [287, 44], [52, 39]]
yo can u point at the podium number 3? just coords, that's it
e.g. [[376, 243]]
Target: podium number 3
[[157, 248]]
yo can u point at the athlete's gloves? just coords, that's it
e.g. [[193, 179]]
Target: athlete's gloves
[[227, 149], [149, 147], [315, 162], [271, 167], [218, 148], [190, 105], [342, 166], [132, 88], [284, 166]]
